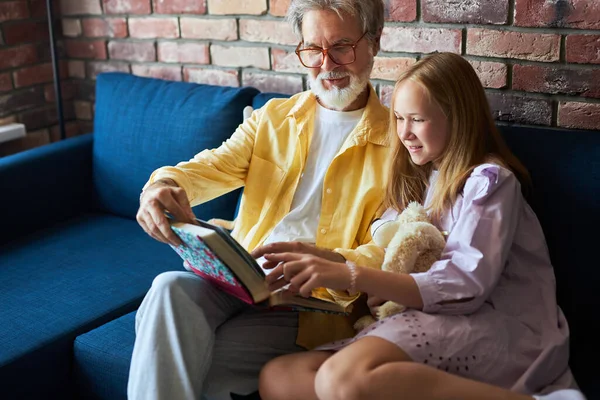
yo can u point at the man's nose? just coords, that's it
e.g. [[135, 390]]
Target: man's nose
[[328, 63]]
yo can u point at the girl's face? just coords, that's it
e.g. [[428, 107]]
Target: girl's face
[[421, 124]]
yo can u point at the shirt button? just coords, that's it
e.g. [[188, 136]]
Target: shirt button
[[329, 190], [323, 231]]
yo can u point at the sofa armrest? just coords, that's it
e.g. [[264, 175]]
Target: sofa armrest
[[45, 185]]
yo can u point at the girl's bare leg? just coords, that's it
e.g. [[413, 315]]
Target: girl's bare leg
[[292, 376], [373, 368]]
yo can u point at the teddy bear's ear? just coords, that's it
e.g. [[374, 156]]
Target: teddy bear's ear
[[414, 212]]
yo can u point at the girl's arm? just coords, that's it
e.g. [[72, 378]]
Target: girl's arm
[[478, 246], [399, 288]]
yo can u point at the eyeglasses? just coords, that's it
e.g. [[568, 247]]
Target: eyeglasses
[[341, 54]]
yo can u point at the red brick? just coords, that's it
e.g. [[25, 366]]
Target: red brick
[[95, 68], [284, 61], [5, 82], [183, 52], [289, 84], [19, 100], [76, 69], [421, 40], [157, 71], [127, 6], [279, 8], [519, 109], [43, 117], [13, 10], [8, 120], [86, 90], [67, 91], [230, 56], [579, 115], [37, 8], [148, 28], [389, 68], [557, 80], [385, 94], [179, 6], [581, 14], [267, 31], [42, 73], [80, 7], [29, 141], [83, 110], [17, 56], [211, 76], [72, 128], [507, 44], [26, 32], [584, 49], [400, 10], [132, 51], [71, 27], [225, 7], [466, 12], [105, 27], [200, 28], [88, 49], [491, 74]]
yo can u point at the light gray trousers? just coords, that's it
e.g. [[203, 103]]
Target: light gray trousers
[[193, 340]]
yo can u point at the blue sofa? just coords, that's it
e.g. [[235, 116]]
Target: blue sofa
[[75, 265]]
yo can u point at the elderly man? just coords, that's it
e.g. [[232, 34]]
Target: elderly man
[[314, 167]]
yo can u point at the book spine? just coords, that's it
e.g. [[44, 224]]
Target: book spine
[[238, 292]]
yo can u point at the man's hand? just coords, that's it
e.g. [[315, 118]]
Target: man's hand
[[159, 197], [294, 247]]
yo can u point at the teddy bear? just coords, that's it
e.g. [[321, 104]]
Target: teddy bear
[[412, 244]]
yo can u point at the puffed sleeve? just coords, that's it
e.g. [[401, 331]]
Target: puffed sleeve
[[478, 245]]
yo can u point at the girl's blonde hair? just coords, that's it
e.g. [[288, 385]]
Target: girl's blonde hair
[[451, 83]]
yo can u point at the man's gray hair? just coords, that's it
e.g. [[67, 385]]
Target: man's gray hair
[[369, 12]]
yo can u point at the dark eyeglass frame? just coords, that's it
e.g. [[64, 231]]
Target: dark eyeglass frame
[[325, 52]]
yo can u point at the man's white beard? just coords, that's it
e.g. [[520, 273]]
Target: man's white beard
[[336, 98]]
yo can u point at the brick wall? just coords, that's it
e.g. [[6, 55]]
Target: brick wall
[[538, 59], [26, 77]]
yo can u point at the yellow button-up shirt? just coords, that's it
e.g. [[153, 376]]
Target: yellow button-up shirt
[[266, 155]]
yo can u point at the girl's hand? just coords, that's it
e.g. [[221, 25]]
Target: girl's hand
[[295, 247], [374, 303], [305, 272]]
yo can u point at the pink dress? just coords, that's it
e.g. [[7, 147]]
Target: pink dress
[[509, 332]]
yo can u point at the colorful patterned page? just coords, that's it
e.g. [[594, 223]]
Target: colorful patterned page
[[200, 258]]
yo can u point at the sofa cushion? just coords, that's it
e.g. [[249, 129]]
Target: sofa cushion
[[102, 358], [145, 123], [64, 281], [565, 170]]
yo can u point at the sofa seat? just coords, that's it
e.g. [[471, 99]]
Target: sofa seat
[[62, 282], [102, 358]]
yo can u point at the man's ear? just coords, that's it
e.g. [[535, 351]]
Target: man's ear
[[377, 42]]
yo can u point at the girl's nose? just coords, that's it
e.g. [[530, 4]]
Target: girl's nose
[[404, 131]]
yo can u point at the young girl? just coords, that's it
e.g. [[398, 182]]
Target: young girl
[[483, 321]]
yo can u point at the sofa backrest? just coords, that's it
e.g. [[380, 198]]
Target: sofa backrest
[[145, 123], [565, 170]]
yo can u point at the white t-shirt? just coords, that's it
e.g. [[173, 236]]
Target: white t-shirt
[[331, 130]]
